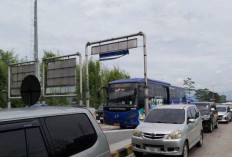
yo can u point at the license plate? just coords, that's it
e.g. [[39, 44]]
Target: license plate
[[153, 149], [101, 118], [116, 124]]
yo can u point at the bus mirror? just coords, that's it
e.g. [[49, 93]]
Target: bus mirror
[[98, 94], [135, 92]]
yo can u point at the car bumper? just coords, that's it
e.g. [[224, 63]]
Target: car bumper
[[223, 119], [206, 124], [162, 146]]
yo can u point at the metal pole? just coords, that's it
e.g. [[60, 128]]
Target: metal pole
[[87, 75], [145, 73], [43, 93], [9, 102], [80, 62], [36, 40]]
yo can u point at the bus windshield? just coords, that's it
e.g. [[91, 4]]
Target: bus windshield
[[122, 94]]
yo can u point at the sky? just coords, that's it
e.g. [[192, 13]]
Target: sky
[[184, 38]]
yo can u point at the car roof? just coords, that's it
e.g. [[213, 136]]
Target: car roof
[[207, 103], [139, 80], [174, 106], [219, 105], [36, 112]]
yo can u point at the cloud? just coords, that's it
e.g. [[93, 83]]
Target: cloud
[[184, 38]]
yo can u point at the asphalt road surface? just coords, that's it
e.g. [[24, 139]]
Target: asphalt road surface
[[215, 144]]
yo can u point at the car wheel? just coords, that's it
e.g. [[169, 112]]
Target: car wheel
[[230, 120], [200, 142], [216, 125], [185, 150], [138, 154], [211, 127], [101, 121], [122, 127]]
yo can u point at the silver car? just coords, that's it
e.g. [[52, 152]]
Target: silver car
[[51, 131], [169, 130], [224, 113]]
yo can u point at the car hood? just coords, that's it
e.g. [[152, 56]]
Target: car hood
[[221, 113], [159, 128]]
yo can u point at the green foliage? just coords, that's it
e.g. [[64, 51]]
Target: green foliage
[[189, 85], [6, 57], [207, 95]]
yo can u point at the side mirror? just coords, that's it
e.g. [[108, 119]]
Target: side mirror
[[191, 120], [98, 94]]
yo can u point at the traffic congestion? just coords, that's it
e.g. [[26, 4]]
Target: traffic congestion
[[115, 78]]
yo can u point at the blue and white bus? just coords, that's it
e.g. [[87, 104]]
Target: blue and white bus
[[125, 99]]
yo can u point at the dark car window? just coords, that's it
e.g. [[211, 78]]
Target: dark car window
[[13, 144], [35, 143], [70, 134], [204, 112], [175, 116], [221, 109], [203, 106]]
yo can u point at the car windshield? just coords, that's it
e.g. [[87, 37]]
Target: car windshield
[[122, 94], [204, 112], [202, 106], [221, 109], [100, 107], [173, 116]]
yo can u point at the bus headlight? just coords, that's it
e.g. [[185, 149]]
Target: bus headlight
[[137, 132], [175, 135]]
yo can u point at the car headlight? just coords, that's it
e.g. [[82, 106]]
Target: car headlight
[[206, 117], [132, 115], [224, 116], [137, 132], [175, 135]]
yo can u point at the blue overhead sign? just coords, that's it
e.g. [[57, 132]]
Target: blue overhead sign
[[116, 53]]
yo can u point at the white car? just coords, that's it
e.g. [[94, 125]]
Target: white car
[[169, 130]]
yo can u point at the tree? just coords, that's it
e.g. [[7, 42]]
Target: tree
[[189, 86], [6, 57], [206, 95]]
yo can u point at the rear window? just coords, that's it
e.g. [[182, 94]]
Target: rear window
[[13, 144], [221, 109], [202, 106], [22, 143], [174, 116], [70, 134]]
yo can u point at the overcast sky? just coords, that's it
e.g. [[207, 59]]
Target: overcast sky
[[184, 38]]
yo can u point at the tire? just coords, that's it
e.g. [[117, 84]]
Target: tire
[[185, 150], [101, 121], [230, 120], [216, 125], [210, 127], [138, 154], [200, 142], [122, 127]]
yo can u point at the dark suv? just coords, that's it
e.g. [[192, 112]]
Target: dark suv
[[51, 132], [99, 115], [209, 115]]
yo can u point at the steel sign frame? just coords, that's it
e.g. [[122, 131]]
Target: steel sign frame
[[51, 59], [113, 39], [116, 46]]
